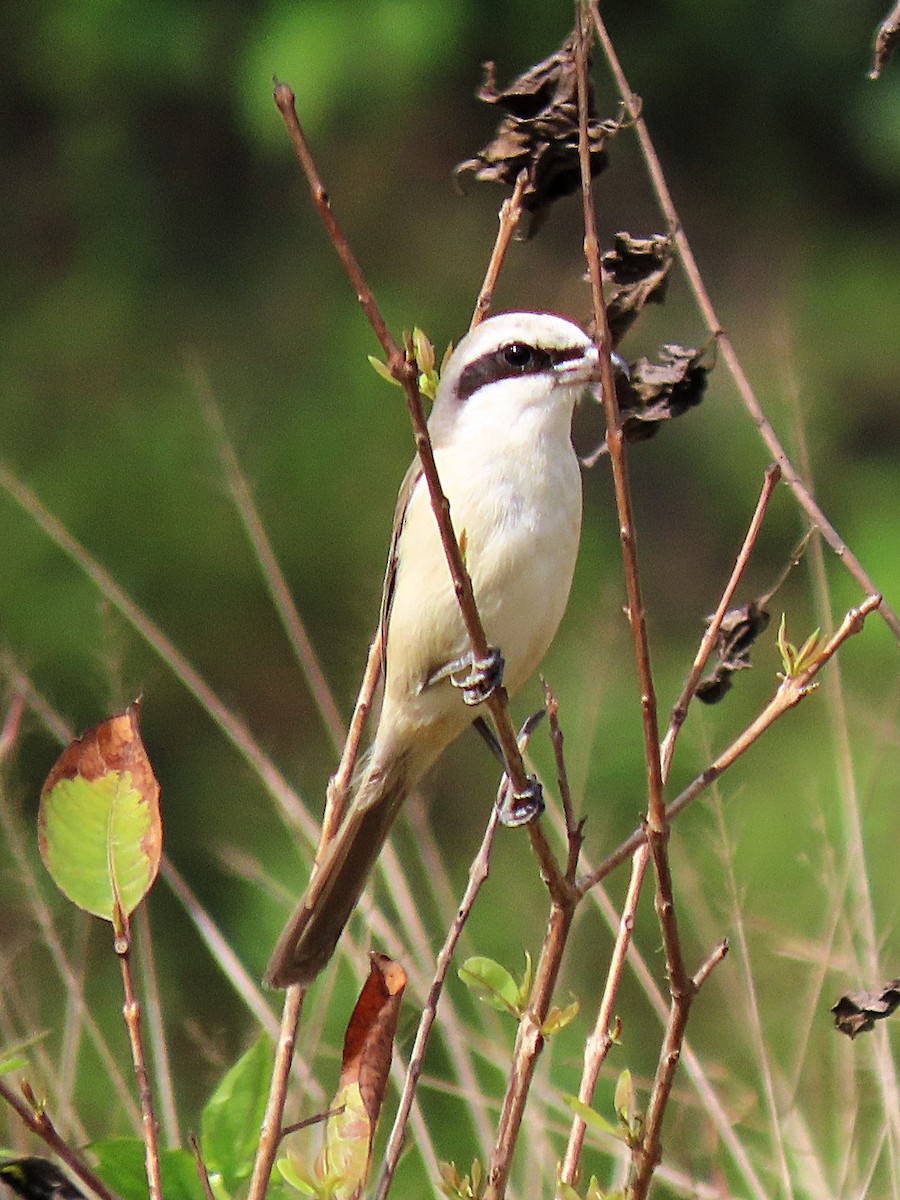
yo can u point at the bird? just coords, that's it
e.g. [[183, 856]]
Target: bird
[[500, 429]]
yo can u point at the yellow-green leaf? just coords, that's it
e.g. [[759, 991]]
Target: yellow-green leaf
[[99, 823]]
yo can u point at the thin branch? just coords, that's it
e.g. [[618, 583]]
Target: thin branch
[[600, 1040], [405, 374], [202, 1173], [35, 1118], [647, 1156], [158, 1045], [664, 199], [271, 1132], [131, 1010], [528, 1045], [510, 216], [680, 708], [478, 873]]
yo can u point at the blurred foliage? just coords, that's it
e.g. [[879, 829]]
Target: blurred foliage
[[153, 220]]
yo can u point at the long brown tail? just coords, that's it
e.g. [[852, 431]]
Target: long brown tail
[[310, 936]]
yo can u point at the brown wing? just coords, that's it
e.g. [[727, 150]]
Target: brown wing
[[410, 480]]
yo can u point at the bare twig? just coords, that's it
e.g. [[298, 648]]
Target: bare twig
[[680, 708], [600, 1040], [664, 199], [158, 1045], [647, 1156], [478, 873], [131, 1010], [35, 1118], [529, 1042], [271, 1132], [510, 216], [202, 1173], [405, 374]]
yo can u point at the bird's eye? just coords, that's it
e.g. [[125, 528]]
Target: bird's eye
[[518, 355]]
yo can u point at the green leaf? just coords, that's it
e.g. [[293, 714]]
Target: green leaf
[[624, 1099], [99, 823], [231, 1118], [492, 983], [12, 1058], [121, 1165], [559, 1018], [593, 1119], [382, 369]]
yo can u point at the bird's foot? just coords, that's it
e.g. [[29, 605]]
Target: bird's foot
[[476, 678], [518, 808]]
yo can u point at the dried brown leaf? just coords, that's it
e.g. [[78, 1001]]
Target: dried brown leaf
[[857, 1012], [539, 134]]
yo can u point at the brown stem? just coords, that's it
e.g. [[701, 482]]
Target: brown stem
[[790, 694], [478, 873], [202, 1173], [598, 1044], [664, 199], [679, 711], [270, 1133], [510, 216], [405, 374], [529, 1043], [131, 1011], [35, 1118], [647, 1155]]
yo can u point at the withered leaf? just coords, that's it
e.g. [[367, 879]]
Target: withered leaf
[[857, 1012], [99, 822], [368, 1045], [539, 134], [635, 273], [739, 630], [886, 41], [655, 392]]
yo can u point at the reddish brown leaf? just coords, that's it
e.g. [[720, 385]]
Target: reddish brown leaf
[[369, 1041]]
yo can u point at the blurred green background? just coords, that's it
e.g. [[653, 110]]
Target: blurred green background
[[153, 221]]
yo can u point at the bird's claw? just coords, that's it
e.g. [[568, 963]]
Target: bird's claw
[[482, 676], [518, 808]]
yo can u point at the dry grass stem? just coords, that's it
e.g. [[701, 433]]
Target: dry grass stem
[[265, 556], [292, 811], [162, 1066]]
